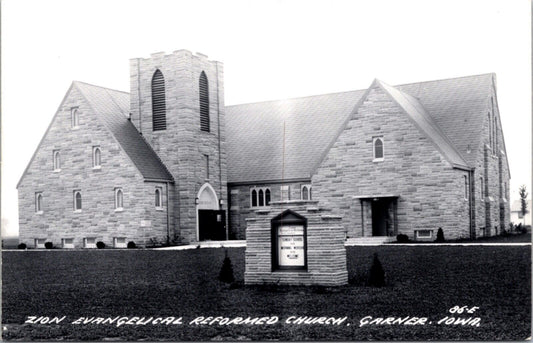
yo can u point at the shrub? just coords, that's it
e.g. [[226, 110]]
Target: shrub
[[518, 228], [440, 235], [523, 229], [100, 245], [131, 245], [48, 245], [226, 272], [401, 238], [377, 274], [22, 246]]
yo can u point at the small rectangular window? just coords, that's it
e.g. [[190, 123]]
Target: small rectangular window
[[68, 243], [119, 242], [206, 159], [285, 192], [424, 234], [39, 243], [89, 242]]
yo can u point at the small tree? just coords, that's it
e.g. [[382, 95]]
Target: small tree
[[440, 235], [377, 274], [226, 272], [522, 192]]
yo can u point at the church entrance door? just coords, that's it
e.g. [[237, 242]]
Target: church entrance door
[[210, 220]]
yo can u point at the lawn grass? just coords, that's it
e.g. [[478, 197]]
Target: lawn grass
[[423, 281]]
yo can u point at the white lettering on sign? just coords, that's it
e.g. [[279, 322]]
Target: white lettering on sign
[[291, 245]]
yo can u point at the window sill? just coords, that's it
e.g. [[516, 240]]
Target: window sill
[[57, 170], [77, 211], [97, 167], [378, 160], [119, 209], [39, 212], [75, 127], [159, 208]]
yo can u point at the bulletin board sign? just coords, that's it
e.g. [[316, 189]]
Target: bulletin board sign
[[289, 242]]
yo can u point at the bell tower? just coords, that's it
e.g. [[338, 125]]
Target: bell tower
[[177, 104]]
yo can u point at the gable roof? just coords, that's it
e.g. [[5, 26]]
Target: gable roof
[[426, 124], [112, 107], [449, 111]]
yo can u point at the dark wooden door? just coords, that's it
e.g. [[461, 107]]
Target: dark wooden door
[[212, 225]]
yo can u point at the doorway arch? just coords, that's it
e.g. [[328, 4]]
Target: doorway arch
[[210, 220]]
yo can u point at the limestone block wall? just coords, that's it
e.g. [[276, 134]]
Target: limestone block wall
[[431, 193], [326, 254], [98, 217]]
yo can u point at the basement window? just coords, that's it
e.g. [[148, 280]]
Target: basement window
[[67, 243], [89, 243], [39, 243], [119, 242], [424, 234]]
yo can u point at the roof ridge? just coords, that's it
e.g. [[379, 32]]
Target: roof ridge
[[445, 79], [102, 87], [298, 97]]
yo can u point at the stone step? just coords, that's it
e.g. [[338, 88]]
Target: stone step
[[378, 240]]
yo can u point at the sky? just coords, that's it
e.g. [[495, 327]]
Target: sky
[[270, 50]]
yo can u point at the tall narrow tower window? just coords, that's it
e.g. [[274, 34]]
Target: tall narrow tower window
[[204, 103], [159, 111]]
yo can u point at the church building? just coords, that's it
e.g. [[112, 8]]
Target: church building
[[170, 162]]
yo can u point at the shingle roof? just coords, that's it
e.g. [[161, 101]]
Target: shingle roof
[[426, 124], [255, 135], [112, 107], [452, 111]]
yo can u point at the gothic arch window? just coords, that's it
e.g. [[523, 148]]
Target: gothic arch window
[[159, 115], [75, 118], [119, 199], [204, 102], [378, 148], [481, 188], [158, 198], [57, 160], [260, 197], [97, 157], [77, 200], [39, 202], [466, 187], [306, 192]]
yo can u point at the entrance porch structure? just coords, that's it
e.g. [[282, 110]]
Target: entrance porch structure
[[379, 215]]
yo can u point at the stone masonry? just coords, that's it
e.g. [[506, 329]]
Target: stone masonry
[[326, 255]]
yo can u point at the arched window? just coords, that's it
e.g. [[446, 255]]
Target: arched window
[[158, 198], [74, 116], [305, 192], [267, 197], [97, 157], [481, 188], [119, 199], [378, 148], [204, 103], [159, 111], [261, 199], [77, 201], [38, 202], [57, 160], [466, 187], [254, 198]]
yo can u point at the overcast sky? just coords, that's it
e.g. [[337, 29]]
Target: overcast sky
[[270, 50]]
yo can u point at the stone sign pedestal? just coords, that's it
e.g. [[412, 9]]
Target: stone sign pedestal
[[295, 243]]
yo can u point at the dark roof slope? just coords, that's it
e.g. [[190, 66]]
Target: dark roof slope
[[455, 107], [255, 135], [112, 107]]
